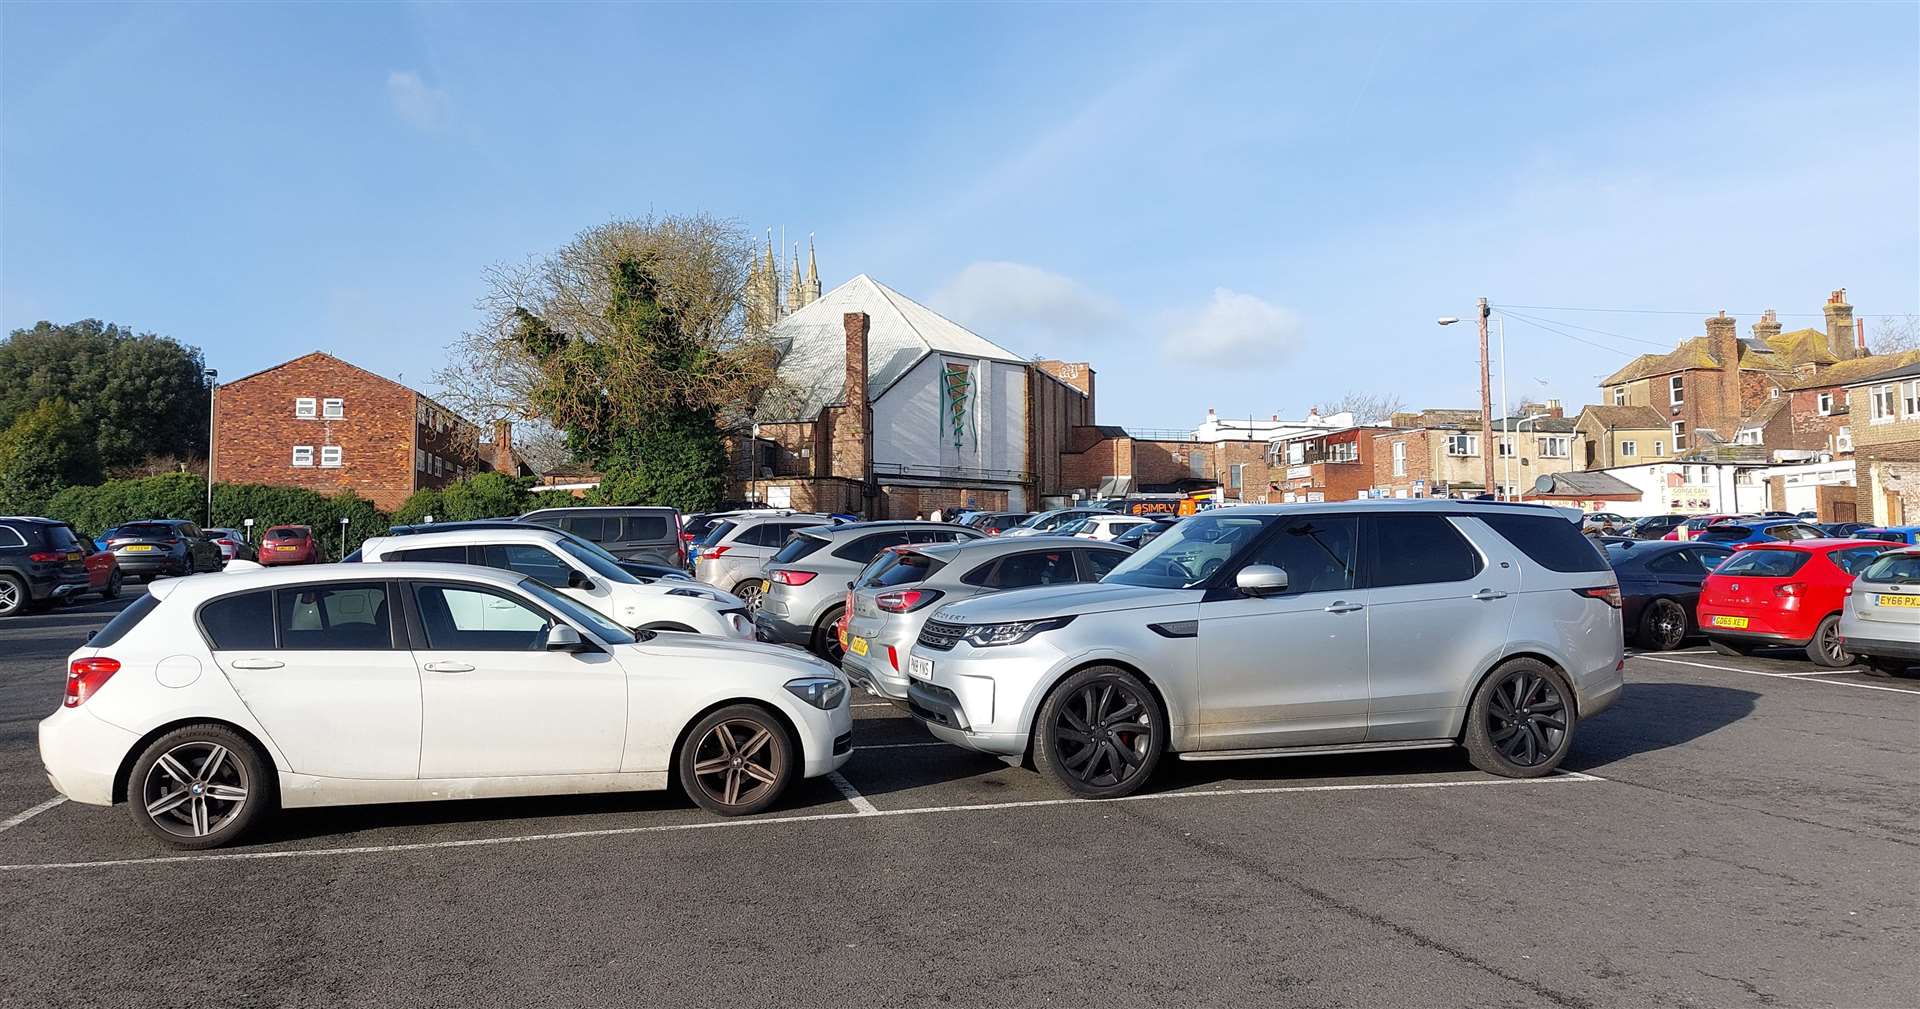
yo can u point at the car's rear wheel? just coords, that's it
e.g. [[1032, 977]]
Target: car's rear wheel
[[1663, 626], [112, 591], [826, 636], [14, 596], [1735, 648], [1520, 724], [200, 786], [1826, 648], [1100, 734], [187, 567], [749, 593], [737, 760]]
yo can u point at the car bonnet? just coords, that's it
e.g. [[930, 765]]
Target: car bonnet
[[1045, 601]]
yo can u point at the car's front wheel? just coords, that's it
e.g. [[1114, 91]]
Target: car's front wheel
[[737, 760], [199, 786], [1100, 733], [1663, 626], [1520, 724]]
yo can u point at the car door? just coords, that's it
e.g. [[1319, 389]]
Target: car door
[[320, 667], [494, 702], [1440, 608], [1288, 669]]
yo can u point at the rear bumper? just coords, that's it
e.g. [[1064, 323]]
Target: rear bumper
[[58, 586], [150, 564], [1881, 648], [776, 628], [872, 672], [82, 754], [1755, 637]]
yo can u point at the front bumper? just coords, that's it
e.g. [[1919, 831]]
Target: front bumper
[[82, 754], [775, 627]]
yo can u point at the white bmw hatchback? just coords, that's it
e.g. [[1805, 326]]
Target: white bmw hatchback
[[209, 702]]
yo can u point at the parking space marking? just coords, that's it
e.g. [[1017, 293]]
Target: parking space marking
[[27, 814], [901, 746], [874, 704], [852, 794], [1796, 677], [664, 828]]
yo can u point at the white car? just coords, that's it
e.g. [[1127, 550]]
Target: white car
[[1105, 527], [210, 701], [584, 572]]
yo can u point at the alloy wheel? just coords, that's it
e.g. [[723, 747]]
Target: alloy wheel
[[1102, 733], [736, 762], [1830, 644], [9, 595], [1527, 718], [1669, 624], [195, 789], [749, 593]]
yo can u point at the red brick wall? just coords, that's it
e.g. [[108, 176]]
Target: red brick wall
[[1809, 429], [1056, 411], [897, 502], [1419, 461]]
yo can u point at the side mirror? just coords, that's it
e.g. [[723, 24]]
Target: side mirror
[[576, 580], [563, 638], [1261, 580]]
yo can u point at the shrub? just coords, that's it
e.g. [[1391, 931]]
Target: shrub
[[45, 449], [182, 495]]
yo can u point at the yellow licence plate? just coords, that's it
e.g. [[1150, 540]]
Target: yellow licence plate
[[857, 646], [765, 585], [1887, 600], [141, 549], [1734, 622]]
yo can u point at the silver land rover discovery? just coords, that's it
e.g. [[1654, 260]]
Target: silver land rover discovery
[[1272, 631]]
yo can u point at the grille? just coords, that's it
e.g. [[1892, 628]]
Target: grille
[[940, 637], [843, 743]]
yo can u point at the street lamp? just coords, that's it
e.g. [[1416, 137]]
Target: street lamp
[[343, 534], [213, 384], [1508, 432], [1486, 390]]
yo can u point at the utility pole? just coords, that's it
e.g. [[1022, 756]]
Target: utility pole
[[213, 387], [1487, 447]]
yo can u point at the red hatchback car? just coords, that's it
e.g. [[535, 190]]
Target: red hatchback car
[[288, 545], [1786, 594]]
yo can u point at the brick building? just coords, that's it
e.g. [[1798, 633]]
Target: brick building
[[1608, 436], [1324, 465], [1885, 417], [1436, 453], [320, 423]]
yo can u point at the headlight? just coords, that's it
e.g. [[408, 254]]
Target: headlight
[[986, 635], [823, 692], [694, 594]]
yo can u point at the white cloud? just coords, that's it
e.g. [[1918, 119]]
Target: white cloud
[[1233, 331], [1013, 300], [421, 106]]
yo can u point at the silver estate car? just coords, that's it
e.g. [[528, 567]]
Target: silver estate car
[[732, 554], [896, 594], [1881, 619], [1270, 631], [804, 592]]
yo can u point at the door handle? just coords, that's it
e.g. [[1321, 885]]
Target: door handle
[[256, 664], [1342, 606], [1486, 595], [449, 667]]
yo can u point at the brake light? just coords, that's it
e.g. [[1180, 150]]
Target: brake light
[[85, 677], [47, 557], [785, 577], [905, 601], [992, 531], [714, 551], [1609, 594], [1790, 590]]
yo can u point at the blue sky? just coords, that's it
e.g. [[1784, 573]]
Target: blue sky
[[1249, 208]]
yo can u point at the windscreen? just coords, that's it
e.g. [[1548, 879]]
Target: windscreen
[[1189, 552], [145, 531]]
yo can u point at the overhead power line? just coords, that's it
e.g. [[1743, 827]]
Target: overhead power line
[[1525, 321], [1703, 314], [1589, 329]]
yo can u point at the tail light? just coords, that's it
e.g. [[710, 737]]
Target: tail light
[[905, 601], [47, 557], [1609, 594], [784, 577], [893, 658], [1790, 590], [85, 677], [711, 552], [992, 531]]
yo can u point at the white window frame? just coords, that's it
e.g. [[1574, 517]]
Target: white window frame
[[419, 460], [305, 408], [1773, 392], [1659, 448], [1556, 446], [333, 409], [1677, 390], [330, 457], [1910, 399], [1824, 404], [1628, 448], [1619, 395], [1296, 453], [1506, 446], [1399, 458], [303, 456], [1747, 436], [1880, 399], [1468, 445], [1343, 451], [1679, 429]]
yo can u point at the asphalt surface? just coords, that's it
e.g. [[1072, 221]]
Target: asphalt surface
[[1736, 833]]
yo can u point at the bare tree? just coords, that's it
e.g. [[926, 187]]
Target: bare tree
[[1366, 407], [1897, 333]]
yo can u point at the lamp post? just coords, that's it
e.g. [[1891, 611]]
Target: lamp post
[[213, 385], [1516, 445], [343, 534], [1486, 391]]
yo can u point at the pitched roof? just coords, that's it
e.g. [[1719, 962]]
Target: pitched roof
[[1583, 484], [813, 346], [1860, 369], [1765, 412], [1521, 425], [1777, 353], [1626, 418], [323, 355], [1908, 370]]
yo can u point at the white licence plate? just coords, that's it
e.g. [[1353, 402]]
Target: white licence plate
[[919, 668]]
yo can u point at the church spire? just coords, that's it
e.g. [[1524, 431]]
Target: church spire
[[796, 290], [813, 273]]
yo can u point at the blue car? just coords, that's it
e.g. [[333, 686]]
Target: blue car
[[1759, 530], [1909, 535]]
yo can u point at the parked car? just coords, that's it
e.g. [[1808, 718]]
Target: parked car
[[901, 589], [735, 550], [995, 523], [100, 541], [288, 544], [1733, 534], [1784, 594], [1605, 520], [641, 534], [40, 563], [467, 682], [1327, 628], [1660, 588], [233, 544], [1880, 621], [1844, 530], [1047, 522], [103, 568], [1105, 528], [646, 571], [804, 593], [1653, 527], [1692, 526], [154, 547], [1140, 536], [586, 576], [1909, 535]]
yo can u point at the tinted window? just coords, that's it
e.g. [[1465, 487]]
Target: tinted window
[[150, 531], [344, 616], [1418, 550], [1876, 534], [1550, 541], [242, 621], [716, 532], [61, 538], [10, 537], [1041, 567], [284, 534], [593, 527], [645, 527], [937, 536], [1763, 563], [135, 612], [1675, 562], [1316, 552], [441, 555], [865, 548], [527, 559], [1899, 568], [1854, 560], [798, 547], [1794, 532], [1725, 533], [1099, 562], [907, 570], [470, 619], [1709, 558]]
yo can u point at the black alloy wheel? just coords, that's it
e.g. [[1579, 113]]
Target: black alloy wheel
[[1520, 724], [1663, 625], [1101, 734]]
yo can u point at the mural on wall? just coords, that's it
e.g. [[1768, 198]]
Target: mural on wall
[[957, 385]]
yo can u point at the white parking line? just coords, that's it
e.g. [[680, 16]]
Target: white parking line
[[1796, 677], [852, 794], [899, 746], [664, 828], [874, 704], [27, 814]]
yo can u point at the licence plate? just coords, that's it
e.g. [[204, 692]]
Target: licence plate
[[765, 585], [920, 668], [1886, 600], [286, 550], [1734, 622], [143, 549], [857, 646]]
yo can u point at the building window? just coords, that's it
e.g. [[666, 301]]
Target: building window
[[330, 455], [333, 409], [305, 408], [1343, 451], [1628, 448], [1296, 453], [1676, 390], [1463, 444], [1506, 446], [1843, 441], [1881, 396], [303, 455], [1679, 436], [1773, 392], [1747, 436], [1825, 404], [1619, 395], [1399, 458], [1233, 475], [1910, 398], [420, 460], [1659, 448], [1556, 446]]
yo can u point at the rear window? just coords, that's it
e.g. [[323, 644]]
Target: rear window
[[1879, 534], [1763, 563], [798, 547], [1725, 533], [866, 548], [147, 530], [123, 622], [1854, 560], [716, 532], [61, 538], [1551, 542], [1902, 569], [286, 534], [646, 527], [908, 570], [242, 621]]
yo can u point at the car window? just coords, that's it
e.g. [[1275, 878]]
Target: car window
[[1099, 562], [608, 631], [1189, 552], [528, 559], [1708, 558], [241, 621], [348, 616], [1549, 541], [440, 555], [1763, 563], [147, 531], [864, 548], [1316, 551], [906, 569], [1674, 562], [644, 527], [798, 547], [1419, 550], [466, 618], [593, 527], [1039, 567], [936, 536], [136, 611], [10, 537], [598, 561], [1897, 568], [1854, 560], [717, 532]]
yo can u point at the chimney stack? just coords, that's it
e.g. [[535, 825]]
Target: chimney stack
[[1860, 336], [1768, 327], [1840, 336], [503, 447], [1555, 410], [853, 434], [1723, 342]]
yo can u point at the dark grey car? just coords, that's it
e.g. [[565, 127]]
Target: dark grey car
[[631, 533], [807, 581], [154, 547], [40, 561]]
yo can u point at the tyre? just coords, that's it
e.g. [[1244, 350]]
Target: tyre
[[14, 597], [1825, 649], [1100, 734], [826, 638], [1663, 626], [749, 593], [112, 591], [187, 567], [737, 760], [1520, 724], [200, 786], [1730, 647]]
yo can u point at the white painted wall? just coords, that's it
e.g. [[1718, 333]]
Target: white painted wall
[[1691, 488], [909, 418]]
